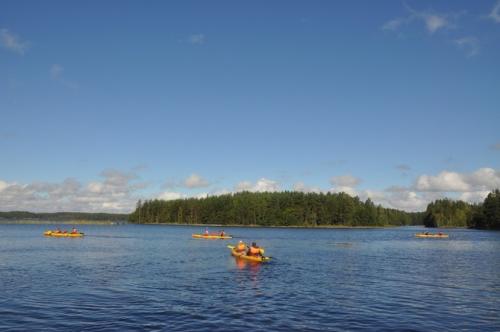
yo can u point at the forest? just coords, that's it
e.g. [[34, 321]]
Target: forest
[[287, 208], [449, 213]]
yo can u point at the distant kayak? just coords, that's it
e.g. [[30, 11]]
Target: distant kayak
[[257, 259], [439, 236], [62, 234], [212, 237]]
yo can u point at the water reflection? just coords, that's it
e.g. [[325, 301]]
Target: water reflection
[[253, 267], [140, 278]]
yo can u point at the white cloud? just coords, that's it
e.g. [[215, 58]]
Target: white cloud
[[170, 195], [481, 180], [470, 187], [345, 181], [196, 181], [201, 195], [12, 42], [115, 194], [474, 197], [435, 22], [495, 13], [484, 179], [219, 192], [95, 187], [470, 45], [400, 198], [406, 200], [173, 195], [432, 21], [117, 191], [3, 185], [197, 39], [444, 181], [262, 185]]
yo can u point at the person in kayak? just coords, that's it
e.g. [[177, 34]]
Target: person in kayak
[[74, 231], [254, 250], [241, 247], [206, 232], [222, 233]]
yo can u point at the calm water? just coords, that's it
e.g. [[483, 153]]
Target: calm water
[[156, 278]]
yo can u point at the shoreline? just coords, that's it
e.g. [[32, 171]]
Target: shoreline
[[270, 226], [62, 222]]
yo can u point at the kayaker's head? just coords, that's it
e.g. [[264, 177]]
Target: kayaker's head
[[240, 241]]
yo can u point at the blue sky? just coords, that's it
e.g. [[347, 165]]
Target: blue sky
[[103, 103]]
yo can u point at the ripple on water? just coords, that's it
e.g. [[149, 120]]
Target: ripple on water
[[159, 279]]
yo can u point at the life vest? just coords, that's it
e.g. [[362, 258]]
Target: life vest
[[241, 247], [255, 251]]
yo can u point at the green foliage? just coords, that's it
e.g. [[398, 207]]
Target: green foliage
[[487, 215], [449, 213], [272, 209]]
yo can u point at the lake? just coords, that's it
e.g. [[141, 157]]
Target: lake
[[157, 278]]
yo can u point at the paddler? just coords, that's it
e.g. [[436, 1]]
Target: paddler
[[254, 250], [74, 231], [241, 247]]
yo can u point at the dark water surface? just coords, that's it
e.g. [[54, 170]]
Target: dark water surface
[[156, 278]]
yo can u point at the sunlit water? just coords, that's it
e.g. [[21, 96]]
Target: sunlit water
[[157, 278]]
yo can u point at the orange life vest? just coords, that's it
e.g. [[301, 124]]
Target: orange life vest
[[241, 247], [255, 251]]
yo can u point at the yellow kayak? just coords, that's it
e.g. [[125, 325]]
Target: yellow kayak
[[212, 237], [242, 255], [56, 234], [436, 236]]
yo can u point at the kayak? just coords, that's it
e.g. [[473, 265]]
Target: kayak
[[436, 236], [257, 259], [55, 234], [212, 237]]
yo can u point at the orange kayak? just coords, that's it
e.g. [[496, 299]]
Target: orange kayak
[[257, 259], [436, 236], [212, 237], [56, 234]]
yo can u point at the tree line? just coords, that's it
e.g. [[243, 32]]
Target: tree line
[[287, 208], [62, 216], [449, 213]]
